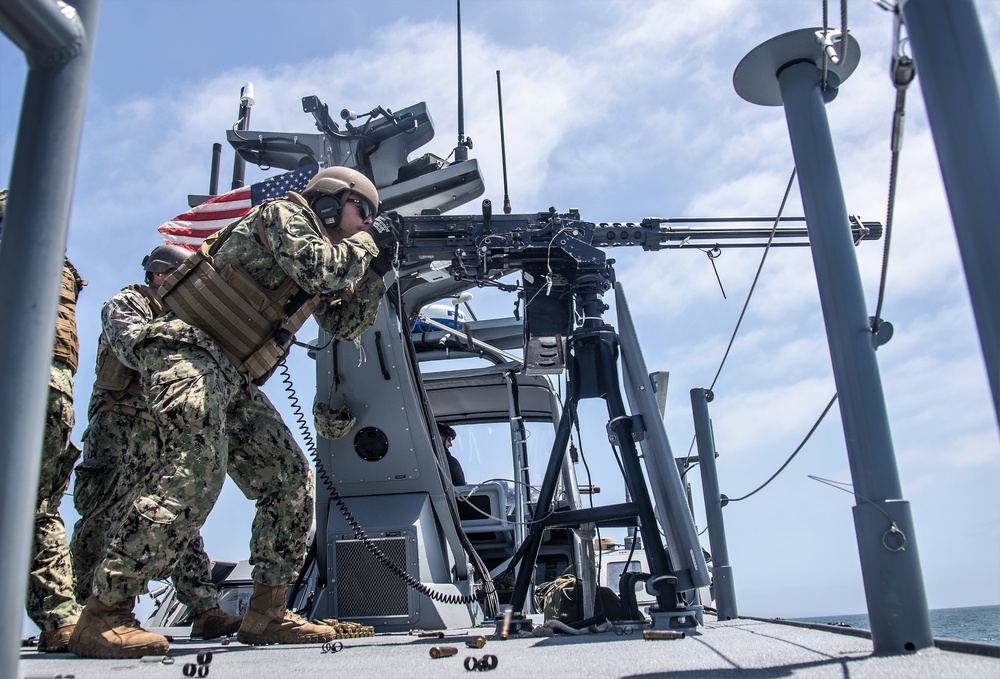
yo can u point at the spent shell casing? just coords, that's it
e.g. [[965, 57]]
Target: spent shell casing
[[478, 642], [443, 651], [507, 615], [654, 634], [435, 635]]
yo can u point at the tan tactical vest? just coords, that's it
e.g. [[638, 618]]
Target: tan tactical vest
[[254, 326], [67, 346], [112, 374]]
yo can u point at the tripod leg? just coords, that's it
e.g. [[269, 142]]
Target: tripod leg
[[621, 424], [533, 540]]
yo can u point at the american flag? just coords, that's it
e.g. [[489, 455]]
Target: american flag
[[190, 228]]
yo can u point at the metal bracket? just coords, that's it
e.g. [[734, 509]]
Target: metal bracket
[[638, 428], [881, 333]]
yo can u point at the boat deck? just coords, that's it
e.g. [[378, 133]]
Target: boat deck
[[746, 647]]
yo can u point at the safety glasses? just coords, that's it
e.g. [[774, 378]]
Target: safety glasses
[[363, 207]]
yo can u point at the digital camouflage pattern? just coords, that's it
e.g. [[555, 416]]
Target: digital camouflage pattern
[[212, 420], [121, 456], [299, 251], [50, 602]]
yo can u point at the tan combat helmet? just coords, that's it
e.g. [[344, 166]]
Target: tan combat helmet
[[332, 181]]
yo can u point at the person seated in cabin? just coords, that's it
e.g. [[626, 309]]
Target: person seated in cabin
[[448, 435]]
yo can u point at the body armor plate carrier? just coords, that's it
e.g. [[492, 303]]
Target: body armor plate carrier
[[253, 326], [112, 374], [67, 345]]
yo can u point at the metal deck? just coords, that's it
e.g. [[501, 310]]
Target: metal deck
[[746, 647]]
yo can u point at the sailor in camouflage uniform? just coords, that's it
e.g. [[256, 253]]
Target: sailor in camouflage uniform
[[234, 307], [50, 602], [122, 452]]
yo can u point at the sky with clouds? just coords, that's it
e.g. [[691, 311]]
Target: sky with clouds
[[624, 110]]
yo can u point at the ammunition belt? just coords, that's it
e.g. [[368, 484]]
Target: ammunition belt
[[347, 630]]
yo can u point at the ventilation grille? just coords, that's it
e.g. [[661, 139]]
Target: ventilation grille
[[366, 588]]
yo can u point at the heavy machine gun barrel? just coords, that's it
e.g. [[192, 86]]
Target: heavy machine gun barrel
[[563, 260], [505, 238]]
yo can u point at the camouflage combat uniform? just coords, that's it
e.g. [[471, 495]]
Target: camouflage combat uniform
[[121, 455], [50, 602], [211, 418]]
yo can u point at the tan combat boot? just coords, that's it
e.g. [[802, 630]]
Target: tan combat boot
[[55, 641], [267, 621], [113, 632], [214, 624]]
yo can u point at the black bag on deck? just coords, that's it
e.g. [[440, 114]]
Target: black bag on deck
[[560, 600]]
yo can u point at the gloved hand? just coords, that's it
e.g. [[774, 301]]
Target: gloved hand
[[386, 230], [382, 263]]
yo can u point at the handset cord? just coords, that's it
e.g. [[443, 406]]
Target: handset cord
[[359, 531]]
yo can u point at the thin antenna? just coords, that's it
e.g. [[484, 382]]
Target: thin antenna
[[246, 101], [503, 150], [464, 143]]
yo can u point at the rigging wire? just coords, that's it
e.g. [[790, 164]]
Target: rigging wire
[[746, 304], [485, 595], [756, 277], [902, 71], [898, 535], [790, 457]]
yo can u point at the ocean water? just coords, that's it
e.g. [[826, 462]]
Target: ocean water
[[977, 623]]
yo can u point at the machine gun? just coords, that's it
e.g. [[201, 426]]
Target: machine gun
[[560, 255]]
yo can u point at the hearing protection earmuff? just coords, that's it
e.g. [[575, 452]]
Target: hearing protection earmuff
[[327, 208]]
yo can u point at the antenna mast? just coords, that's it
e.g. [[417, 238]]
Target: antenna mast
[[503, 149], [246, 101], [464, 143]]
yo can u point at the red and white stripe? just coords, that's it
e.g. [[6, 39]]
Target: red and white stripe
[[190, 228]]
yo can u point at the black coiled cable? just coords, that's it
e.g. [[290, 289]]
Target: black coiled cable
[[359, 532]]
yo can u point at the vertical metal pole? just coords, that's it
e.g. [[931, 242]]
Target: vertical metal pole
[[722, 572], [34, 242], [894, 588], [519, 451], [240, 165], [960, 93], [213, 181], [462, 149]]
